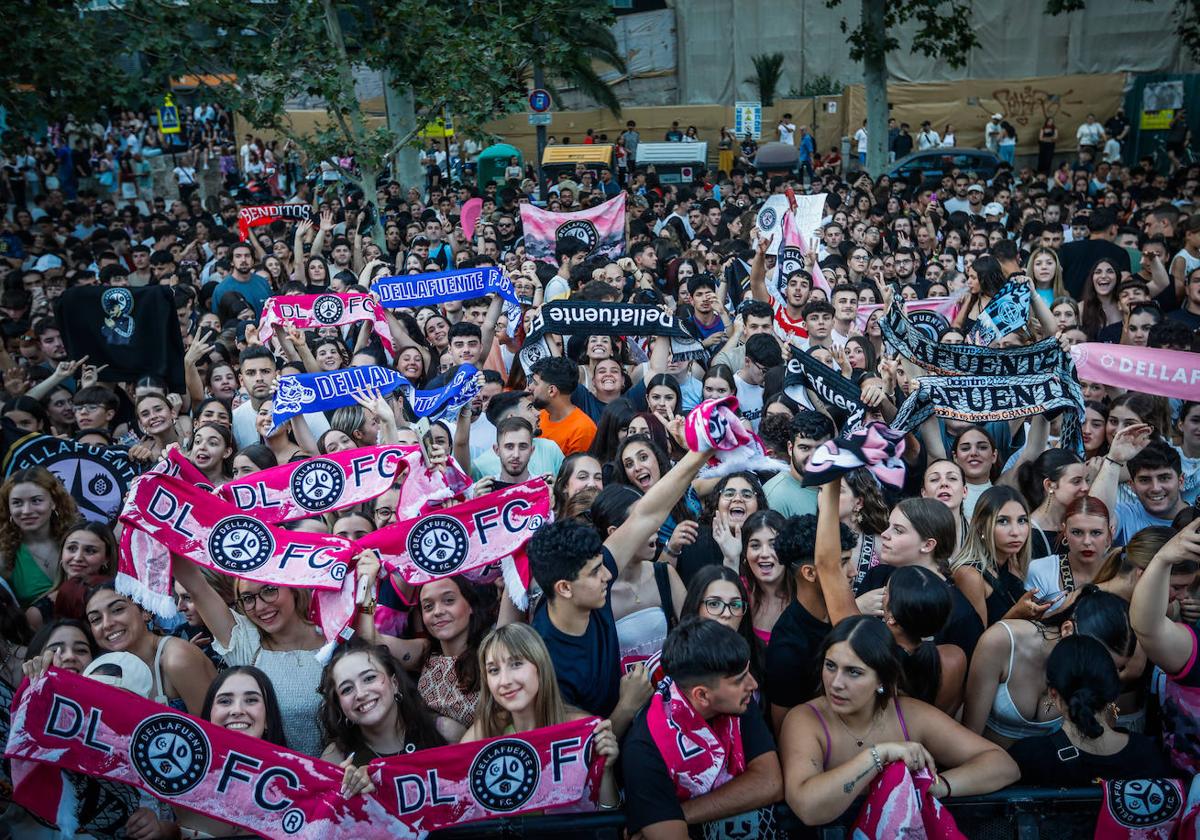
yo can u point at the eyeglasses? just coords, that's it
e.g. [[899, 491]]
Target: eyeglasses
[[731, 493], [384, 513], [717, 607], [268, 594]]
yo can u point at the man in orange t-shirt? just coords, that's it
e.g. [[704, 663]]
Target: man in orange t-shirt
[[551, 384]]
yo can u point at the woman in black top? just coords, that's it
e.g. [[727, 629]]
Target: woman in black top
[[1084, 685]]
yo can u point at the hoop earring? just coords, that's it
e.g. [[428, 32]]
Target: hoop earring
[[399, 696]]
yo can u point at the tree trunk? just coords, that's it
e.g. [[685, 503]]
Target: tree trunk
[[369, 180], [875, 82], [402, 121]]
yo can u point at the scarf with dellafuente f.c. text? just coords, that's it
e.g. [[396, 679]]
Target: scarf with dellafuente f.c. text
[[585, 317], [66, 722]]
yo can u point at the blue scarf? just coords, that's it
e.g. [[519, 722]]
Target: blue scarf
[[449, 399], [1006, 313], [304, 393], [415, 290]]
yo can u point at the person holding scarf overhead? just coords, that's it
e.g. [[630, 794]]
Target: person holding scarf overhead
[[701, 752]]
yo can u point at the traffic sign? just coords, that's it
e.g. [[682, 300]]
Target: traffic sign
[[539, 119], [539, 100], [168, 116], [747, 119]]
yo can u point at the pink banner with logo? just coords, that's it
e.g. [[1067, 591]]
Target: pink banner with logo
[[944, 306], [64, 721], [308, 312], [1163, 373], [317, 485], [600, 228], [464, 537]]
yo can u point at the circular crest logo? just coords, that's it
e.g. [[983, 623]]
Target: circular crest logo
[[767, 219], [318, 485], [117, 301], [170, 753], [505, 775], [240, 544], [327, 309], [1141, 803], [580, 229], [931, 324], [791, 260], [438, 544]]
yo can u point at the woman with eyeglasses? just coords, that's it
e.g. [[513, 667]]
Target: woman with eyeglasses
[[269, 627], [718, 593], [736, 498]]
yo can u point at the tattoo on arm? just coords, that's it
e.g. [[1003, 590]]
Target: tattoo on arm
[[849, 786]]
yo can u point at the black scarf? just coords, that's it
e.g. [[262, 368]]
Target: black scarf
[[582, 317], [969, 359], [980, 399], [980, 384], [805, 373]]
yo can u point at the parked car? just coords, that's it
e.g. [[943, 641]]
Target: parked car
[[927, 168]]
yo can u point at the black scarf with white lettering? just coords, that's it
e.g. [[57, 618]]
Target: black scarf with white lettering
[[979, 384], [968, 359], [804, 374], [981, 399], [582, 317]]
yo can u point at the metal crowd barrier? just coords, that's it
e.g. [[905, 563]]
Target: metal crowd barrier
[[1018, 813]]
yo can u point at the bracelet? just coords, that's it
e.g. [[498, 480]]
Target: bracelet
[[620, 802], [946, 782], [667, 551], [1111, 461], [875, 758]]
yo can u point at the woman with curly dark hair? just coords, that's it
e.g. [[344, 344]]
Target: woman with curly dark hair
[[36, 512], [370, 708]]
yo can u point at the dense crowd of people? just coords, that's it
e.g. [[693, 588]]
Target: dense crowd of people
[[1000, 608]]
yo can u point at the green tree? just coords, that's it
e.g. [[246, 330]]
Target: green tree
[[768, 70], [944, 30], [592, 44], [469, 58]]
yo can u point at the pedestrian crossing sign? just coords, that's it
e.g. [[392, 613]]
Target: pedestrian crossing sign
[[168, 116]]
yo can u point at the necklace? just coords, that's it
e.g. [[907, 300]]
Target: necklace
[[858, 741]]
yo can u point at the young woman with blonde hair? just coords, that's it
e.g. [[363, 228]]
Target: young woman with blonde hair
[[519, 692]]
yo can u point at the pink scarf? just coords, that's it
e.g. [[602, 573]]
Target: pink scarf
[[1146, 809], [426, 488], [714, 425], [70, 723], [165, 515], [899, 805], [466, 537], [309, 312], [701, 755], [317, 485]]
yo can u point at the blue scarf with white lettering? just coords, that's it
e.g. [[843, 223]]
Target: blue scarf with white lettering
[[416, 290], [304, 393], [459, 391]]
